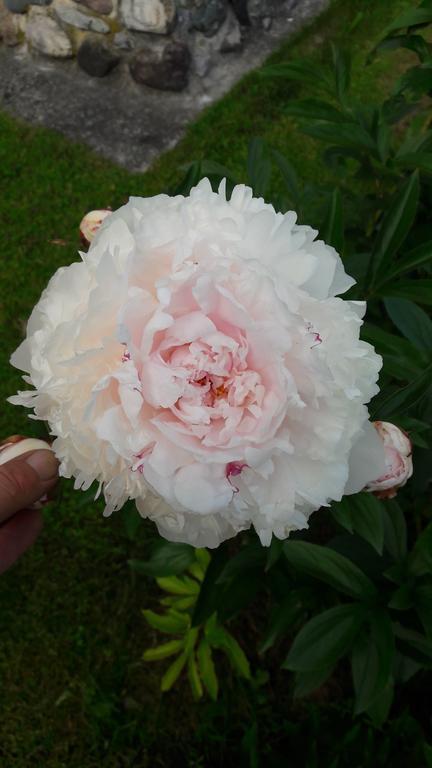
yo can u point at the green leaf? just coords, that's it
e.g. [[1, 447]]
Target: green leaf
[[367, 519], [315, 109], [178, 586], [395, 225], [372, 661], [418, 290], [414, 644], [258, 167], [207, 669], [420, 160], [167, 559], [411, 321], [301, 70], [331, 567], [178, 603], [209, 594], [172, 622], [395, 531], [173, 672], [342, 72], [427, 752], [163, 651], [218, 637], [332, 230], [418, 257], [350, 135], [379, 710], [289, 176], [341, 511], [412, 18], [309, 680], [420, 560], [416, 80], [194, 678], [423, 606], [415, 43], [325, 638], [282, 618], [404, 398], [203, 557]]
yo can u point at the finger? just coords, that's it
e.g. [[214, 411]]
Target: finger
[[25, 480], [17, 534]]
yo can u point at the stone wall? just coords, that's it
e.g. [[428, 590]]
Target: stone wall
[[162, 43]]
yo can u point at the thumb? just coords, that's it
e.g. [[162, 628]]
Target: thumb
[[24, 480]]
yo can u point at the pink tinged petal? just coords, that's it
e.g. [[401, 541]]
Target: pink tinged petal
[[189, 327], [161, 387], [202, 488], [398, 460], [366, 460]]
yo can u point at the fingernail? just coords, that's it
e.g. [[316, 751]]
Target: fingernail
[[17, 445], [44, 463]]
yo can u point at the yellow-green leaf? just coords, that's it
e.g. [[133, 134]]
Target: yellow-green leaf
[[173, 672], [194, 678], [207, 669], [163, 651], [178, 585]]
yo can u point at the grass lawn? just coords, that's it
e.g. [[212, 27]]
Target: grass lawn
[[73, 690]]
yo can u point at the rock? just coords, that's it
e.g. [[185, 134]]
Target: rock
[[21, 6], [157, 16], [124, 41], [104, 7], [240, 8], [209, 17], [96, 58], [205, 50], [230, 35], [69, 15], [8, 29], [165, 68], [266, 22], [46, 36]]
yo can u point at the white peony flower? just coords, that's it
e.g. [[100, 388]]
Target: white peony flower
[[398, 461], [198, 361]]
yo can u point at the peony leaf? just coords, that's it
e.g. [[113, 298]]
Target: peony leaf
[[417, 257], [207, 669], [167, 559], [329, 566], [395, 226], [325, 638], [309, 680], [163, 651], [368, 520], [173, 672], [332, 231], [282, 618], [418, 290], [395, 531], [315, 109], [402, 399], [372, 661], [411, 321]]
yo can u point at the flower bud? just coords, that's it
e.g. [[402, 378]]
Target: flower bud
[[91, 223], [16, 445], [397, 453]]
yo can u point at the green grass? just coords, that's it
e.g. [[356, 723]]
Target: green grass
[[73, 690]]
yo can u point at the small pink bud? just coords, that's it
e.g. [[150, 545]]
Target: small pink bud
[[91, 223], [398, 459]]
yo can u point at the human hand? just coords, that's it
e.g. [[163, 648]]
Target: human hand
[[28, 471]]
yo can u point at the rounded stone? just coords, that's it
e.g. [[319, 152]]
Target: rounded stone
[[166, 68], [46, 36], [80, 20], [157, 16], [209, 17], [21, 6], [104, 7], [96, 58]]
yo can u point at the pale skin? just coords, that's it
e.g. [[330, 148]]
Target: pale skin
[[23, 482]]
